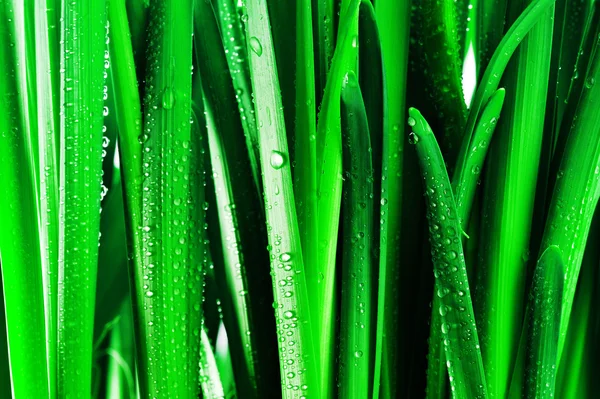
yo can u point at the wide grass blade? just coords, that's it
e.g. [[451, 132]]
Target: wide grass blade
[[461, 343], [509, 197], [19, 240], [212, 388], [168, 286], [393, 21], [82, 81], [356, 339], [287, 267], [48, 94], [543, 325]]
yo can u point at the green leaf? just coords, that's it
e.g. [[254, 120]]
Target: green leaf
[[356, 332], [461, 343]]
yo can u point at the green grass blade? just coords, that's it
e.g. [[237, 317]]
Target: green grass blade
[[393, 20], [5, 383], [441, 57], [465, 184], [47, 70], [19, 240], [577, 189], [292, 311], [491, 20], [544, 324], [305, 146], [464, 194], [509, 197], [494, 71], [465, 366], [210, 381], [82, 81], [355, 364], [235, 45], [323, 21], [169, 274], [329, 187]]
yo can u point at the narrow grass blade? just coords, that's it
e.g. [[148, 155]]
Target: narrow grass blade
[[305, 146], [323, 21], [356, 340], [19, 239], [82, 55], [169, 274], [544, 325], [235, 45], [5, 383], [464, 194], [465, 366], [393, 21], [494, 71], [329, 186], [577, 189], [210, 381], [491, 20], [287, 266], [440, 57], [120, 372]]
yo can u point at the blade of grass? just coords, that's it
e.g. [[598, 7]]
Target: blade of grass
[[210, 381], [495, 69], [235, 45], [464, 194], [47, 71], [509, 197], [169, 273], [577, 189], [329, 186], [19, 240], [491, 20], [287, 266], [5, 384], [355, 364], [81, 57], [393, 22], [464, 362], [441, 59], [543, 325], [324, 40]]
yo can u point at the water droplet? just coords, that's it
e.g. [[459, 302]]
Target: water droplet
[[149, 294], [168, 98], [475, 169], [445, 328], [413, 138], [589, 82], [358, 354], [288, 315], [277, 159], [411, 121], [256, 46], [285, 257]]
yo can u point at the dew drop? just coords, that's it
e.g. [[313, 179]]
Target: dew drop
[[285, 257], [413, 138], [277, 159], [256, 46], [358, 354], [168, 98], [411, 121]]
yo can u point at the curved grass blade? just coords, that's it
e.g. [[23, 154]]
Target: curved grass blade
[[287, 266], [464, 194], [356, 340], [461, 343], [324, 14], [235, 44], [393, 21], [169, 274], [577, 190], [19, 240], [491, 20], [329, 186], [543, 325], [82, 54], [441, 58], [210, 381], [494, 71]]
